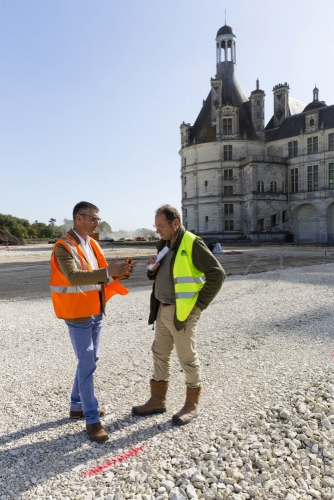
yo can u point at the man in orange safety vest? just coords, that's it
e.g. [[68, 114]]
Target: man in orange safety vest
[[81, 282]]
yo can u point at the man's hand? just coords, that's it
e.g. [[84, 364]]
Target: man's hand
[[132, 265], [116, 268], [153, 261]]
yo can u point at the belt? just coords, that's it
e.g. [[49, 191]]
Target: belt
[[165, 304]]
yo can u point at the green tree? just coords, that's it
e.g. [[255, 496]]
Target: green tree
[[54, 231], [68, 223], [14, 225], [32, 233], [104, 228], [19, 231], [22, 228]]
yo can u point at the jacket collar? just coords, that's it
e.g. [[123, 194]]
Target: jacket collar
[[177, 242], [74, 235]]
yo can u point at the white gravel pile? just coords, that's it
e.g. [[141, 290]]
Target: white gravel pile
[[267, 410]]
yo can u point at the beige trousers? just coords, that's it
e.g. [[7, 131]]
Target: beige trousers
[[166, 336]]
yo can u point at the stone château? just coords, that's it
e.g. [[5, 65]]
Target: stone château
[[242, 179]]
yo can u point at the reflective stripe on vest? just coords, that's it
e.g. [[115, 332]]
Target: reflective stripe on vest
[[70, 301], [81, 263], [185, 295], [188, 280], [73, 289]]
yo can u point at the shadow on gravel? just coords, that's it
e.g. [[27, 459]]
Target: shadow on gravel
[[33, 430], [306, 322], [43, 460]]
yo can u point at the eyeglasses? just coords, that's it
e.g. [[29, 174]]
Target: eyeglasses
[[94, 219], [160, 226]]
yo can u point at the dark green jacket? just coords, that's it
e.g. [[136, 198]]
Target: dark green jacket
[[205, 262]]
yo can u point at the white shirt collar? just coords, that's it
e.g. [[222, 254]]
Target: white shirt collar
[[84, 242], [88, 251]]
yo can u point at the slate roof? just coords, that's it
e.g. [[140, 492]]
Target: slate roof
[[294, 125], [202, 130], [232, 95], [315, 105], [225, 30], [232, 92], [326, 116], [295, 107]]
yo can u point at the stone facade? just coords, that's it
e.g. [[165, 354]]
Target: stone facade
[[242, 180]]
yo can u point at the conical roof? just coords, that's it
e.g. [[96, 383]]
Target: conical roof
[[232, 92]]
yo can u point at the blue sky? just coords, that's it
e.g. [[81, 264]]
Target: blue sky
[[93, 92]]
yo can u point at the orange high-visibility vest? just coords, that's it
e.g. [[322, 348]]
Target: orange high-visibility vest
[[70, 301]]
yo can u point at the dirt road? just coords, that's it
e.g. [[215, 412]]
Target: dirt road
[[24, 272]]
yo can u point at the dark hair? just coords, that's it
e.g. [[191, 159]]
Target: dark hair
[[83, 205], [170, 212]]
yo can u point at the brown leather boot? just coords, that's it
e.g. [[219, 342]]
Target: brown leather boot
[[157, 401], [97, 433], [80, 413], [189, 410]]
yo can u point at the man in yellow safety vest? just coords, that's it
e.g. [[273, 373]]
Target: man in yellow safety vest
[[186, 279]]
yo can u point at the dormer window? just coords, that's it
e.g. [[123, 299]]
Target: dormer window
[[312, 121], [228, 121], [227, 126]]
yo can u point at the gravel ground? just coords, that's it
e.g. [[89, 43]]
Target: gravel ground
[[267, 410]]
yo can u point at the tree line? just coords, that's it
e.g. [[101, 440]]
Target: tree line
[[22, 228]]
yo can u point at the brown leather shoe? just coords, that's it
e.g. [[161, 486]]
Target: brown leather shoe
[[97, 433], [80, 414], [157, 401], [190, 408]]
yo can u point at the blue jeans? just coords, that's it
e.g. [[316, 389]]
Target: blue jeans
[[85, 338]]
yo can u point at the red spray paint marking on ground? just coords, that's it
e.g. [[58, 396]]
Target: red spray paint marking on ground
[[113, 461]]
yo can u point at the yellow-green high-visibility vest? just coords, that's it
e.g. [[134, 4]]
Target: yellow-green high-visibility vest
[[188, 280]]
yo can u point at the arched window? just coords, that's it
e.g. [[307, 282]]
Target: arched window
[[273, 187], [260, 187]]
